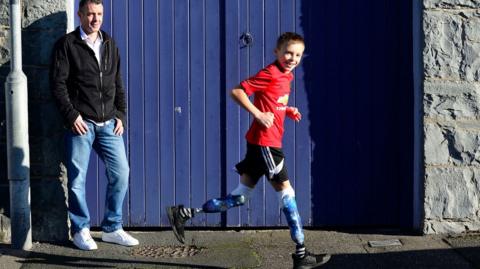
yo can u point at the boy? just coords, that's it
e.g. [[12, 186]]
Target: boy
[[271, 88]]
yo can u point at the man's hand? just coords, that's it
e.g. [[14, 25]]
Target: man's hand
[[293, 113], [265, 119], [118, 127], [79, 126]]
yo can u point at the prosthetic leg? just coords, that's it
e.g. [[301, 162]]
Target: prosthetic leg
[[301, 258], [178, 215]]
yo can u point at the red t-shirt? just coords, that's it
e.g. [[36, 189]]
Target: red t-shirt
[[271, 87]]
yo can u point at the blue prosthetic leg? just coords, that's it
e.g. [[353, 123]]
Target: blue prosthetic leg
[[223, 204], [289, 208]]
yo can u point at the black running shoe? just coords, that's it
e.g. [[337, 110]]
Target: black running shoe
[[177, 222], [310, 260]]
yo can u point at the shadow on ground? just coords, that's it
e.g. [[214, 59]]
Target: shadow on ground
[[442, 258], [37, 259], [406, 259]]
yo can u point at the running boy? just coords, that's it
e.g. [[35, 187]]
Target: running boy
[[271, 89]]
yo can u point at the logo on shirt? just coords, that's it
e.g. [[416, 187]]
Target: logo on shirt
[[283, 100]]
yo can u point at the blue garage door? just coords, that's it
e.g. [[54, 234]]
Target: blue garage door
[[350, 156]]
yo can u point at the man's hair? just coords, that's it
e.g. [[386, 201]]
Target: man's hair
[[83, 3], [288, 37]]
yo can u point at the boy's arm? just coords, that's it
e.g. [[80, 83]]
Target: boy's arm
[[264, 118], [293, 113]]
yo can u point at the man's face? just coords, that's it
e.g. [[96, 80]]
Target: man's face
[[91, 17], [289, 55]]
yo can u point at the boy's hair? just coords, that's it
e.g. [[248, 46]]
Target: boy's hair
[[287, 37], [85, 2]]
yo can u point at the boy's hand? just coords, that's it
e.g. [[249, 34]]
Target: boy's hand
[[293, 113], [265, 119]]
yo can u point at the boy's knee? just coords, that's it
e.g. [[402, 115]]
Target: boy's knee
[[242, 190], [280, 186], [285, 195], [237, 200]]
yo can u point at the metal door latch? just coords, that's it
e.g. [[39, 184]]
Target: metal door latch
[[246, 40]]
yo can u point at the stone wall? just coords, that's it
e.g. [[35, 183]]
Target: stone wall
[[43, 22], [452, 115]]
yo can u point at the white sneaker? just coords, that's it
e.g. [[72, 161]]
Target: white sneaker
[[83, 240], [120, 237]]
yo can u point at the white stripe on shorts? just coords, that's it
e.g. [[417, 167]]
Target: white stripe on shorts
[[270, 162]]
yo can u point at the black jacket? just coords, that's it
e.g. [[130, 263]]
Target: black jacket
[[81, 86]]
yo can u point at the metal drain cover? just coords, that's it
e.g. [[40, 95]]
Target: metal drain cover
[[166, 251]]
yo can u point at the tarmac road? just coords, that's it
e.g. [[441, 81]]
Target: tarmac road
[[255, 249]]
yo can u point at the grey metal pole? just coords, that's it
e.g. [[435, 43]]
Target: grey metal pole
[[18, 153]]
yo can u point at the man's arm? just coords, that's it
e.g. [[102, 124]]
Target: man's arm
[[120, 101], [59, 72], [264, 118]]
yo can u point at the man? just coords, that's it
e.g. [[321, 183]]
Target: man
[[87, 86]]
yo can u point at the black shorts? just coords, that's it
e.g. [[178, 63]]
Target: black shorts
[[259, 161]]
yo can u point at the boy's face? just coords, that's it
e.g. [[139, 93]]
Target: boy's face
[[289, 55], [91, 17]]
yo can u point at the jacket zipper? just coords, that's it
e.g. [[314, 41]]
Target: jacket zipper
[[101, 78], [100, 74], [101, 96]]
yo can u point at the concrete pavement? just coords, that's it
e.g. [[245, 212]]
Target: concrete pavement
[[255, 249]]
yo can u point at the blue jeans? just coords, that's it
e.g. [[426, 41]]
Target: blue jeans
[[111, 149]]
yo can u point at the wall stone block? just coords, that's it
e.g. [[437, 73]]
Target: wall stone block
[[38, 126], [4, 46], [450, 226], [456, 4], [4, 12], [5, 232], [44, 14], [46, 157], [472, 28], [38, 84], [451, 100], [46, 139], [436, 146], [33, 52], [471, 64], [49, 210], [452, 49], [470, 68], [443, 44], [452, 194], [455, 144]]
